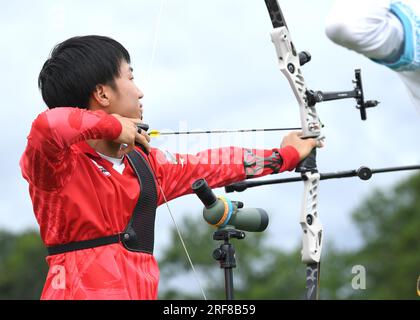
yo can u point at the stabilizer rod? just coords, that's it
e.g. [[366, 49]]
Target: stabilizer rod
[[363, 173]]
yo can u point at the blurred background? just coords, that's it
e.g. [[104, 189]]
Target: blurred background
[[211, 65]]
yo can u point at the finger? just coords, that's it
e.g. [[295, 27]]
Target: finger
[[143, 141], [313, 142], [319, 143], [298, 133], [146, 135], [136, 120], [125, 149], [316, 143]]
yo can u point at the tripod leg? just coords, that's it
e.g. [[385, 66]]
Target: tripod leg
[[229, 283]]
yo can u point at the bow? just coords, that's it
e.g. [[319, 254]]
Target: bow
[[290, 63]]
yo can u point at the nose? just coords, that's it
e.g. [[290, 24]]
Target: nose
[[139, 93]]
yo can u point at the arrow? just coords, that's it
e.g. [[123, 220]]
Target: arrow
[[156, 133]]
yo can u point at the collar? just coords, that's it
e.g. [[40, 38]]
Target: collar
[[85, 148]]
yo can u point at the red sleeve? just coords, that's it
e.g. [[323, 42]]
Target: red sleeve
[[259, 163], [290, 157], [220, 167], [48, 160]]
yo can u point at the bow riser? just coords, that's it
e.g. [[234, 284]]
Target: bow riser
[[289, 64]]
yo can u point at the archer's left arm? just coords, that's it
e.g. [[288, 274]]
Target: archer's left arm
[[220, 167]]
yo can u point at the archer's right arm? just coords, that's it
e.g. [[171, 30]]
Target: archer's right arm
[[48, 161]]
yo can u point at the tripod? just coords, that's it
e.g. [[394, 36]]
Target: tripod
[[225, 254], [228, 216]]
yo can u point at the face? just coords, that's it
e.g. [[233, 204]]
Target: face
[[126, 99]]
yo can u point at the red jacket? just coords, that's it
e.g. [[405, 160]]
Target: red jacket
[[74, 200]]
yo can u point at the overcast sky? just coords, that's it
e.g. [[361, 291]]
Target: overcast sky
[[214, 67]]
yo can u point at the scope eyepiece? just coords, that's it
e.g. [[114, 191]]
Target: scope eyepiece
[[204, 192]]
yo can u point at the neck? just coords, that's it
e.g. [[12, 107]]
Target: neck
[[108, 148]]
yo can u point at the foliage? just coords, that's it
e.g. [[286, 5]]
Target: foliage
[[389, 223]]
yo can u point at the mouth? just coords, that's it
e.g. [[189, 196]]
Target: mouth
[[141, 111]]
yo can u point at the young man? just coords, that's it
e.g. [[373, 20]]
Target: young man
[[85, 188], [386, 31]]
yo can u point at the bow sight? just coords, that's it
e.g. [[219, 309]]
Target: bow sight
[[315, 97]]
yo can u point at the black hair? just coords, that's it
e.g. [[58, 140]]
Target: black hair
[[76, 66]]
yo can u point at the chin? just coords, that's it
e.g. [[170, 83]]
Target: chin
[[134, 115]]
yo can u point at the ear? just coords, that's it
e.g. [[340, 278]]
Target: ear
[[101, 95]]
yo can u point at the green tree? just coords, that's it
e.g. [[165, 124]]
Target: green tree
[[389, 222], [390, 225], [262, 272], [22, 265]]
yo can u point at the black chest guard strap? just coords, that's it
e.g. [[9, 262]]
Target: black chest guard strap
[[139, 234]]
